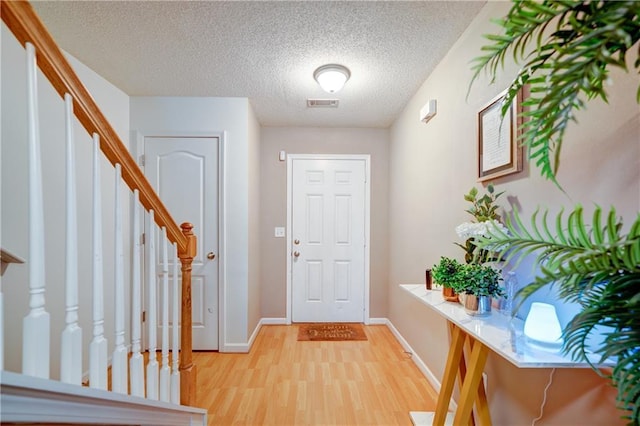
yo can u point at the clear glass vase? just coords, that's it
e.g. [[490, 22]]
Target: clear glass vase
[[510, 287]]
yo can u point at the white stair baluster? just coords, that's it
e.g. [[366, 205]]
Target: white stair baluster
[[71, 348], [136, 362], [35, 349], [1, 330], [165, 371], [175, 357], [119, 380], [152, 366], [98, 346]]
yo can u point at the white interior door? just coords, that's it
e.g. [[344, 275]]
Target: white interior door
[[328, 240], [184, 172]]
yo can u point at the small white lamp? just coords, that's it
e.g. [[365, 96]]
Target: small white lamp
[[332, 77], [542, 327]]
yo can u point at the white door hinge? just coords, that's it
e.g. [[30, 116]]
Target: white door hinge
[[141, 160]]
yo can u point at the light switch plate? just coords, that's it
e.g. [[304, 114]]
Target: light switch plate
[[279, 232]]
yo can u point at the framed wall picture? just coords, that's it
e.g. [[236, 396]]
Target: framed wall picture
[[499, 153]]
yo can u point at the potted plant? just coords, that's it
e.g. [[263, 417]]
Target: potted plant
[[566, 50], [448, 272], [479, 283], [485, 213]]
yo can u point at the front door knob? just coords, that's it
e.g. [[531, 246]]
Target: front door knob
[[296, 254], [211, 256], [296, 242]]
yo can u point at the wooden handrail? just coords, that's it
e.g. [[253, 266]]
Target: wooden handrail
[[26, 26]]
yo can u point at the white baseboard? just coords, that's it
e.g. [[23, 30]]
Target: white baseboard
[[246, 347], [433, 380], [378, 321], [273, 321], [414, 357], [235, 348]]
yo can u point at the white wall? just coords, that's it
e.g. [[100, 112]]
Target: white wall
[[255, 187], [431, 167], [213, 115], [115, 105]]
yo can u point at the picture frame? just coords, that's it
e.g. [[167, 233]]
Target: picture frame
[[499, 152]]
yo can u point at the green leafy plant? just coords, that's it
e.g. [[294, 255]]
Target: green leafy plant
[[483, 209], [596, 266], [480, 280], [448, 272], [567, 49]]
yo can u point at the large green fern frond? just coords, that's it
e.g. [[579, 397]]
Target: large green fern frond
[[612, 309], [595, 265], [566, 49]]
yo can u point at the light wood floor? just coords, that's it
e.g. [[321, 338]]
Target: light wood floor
[[286, 382]]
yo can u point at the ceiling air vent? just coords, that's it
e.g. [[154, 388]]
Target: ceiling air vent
[[322, 103]]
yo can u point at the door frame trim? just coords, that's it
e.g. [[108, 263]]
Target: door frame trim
[[137, 149], [367, 222]]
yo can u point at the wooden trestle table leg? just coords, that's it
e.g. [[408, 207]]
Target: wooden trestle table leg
[[482, 407], [470, 388], [449, 378]]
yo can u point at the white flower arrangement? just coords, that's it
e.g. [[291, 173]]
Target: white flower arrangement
[[468, 230]]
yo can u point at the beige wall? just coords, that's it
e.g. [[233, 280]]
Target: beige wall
[[274, 209], [431, 167]]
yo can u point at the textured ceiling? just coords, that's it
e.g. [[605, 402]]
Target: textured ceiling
[[266, 51]]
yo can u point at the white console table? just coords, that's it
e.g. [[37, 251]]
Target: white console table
[[474, 337]]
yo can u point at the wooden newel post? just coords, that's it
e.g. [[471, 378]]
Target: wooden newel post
[[187, 368]]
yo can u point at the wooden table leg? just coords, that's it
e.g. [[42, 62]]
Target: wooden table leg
[[482, 408], [449, 377], [468, 344], [469, 391]]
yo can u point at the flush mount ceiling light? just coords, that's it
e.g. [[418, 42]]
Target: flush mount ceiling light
[[332, 77]]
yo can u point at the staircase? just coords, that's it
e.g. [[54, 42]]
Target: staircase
[[121, 388]]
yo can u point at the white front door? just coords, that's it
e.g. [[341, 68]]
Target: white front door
[[328, 240], [184, 173]]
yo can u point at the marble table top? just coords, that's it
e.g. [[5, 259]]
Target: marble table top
[[501, 333]]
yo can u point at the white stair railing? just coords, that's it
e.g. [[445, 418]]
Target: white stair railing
[[71, 347], [18, 406], [152, 365], [165, 371], [175, 373], [35, 349], [136, 362], [98, 346], [1, 323], [119, 372]]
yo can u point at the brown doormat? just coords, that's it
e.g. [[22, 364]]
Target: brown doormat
[[331, 331]]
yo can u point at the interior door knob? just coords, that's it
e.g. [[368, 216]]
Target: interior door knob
[[296, 254], [296, 242], [211, 255]]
